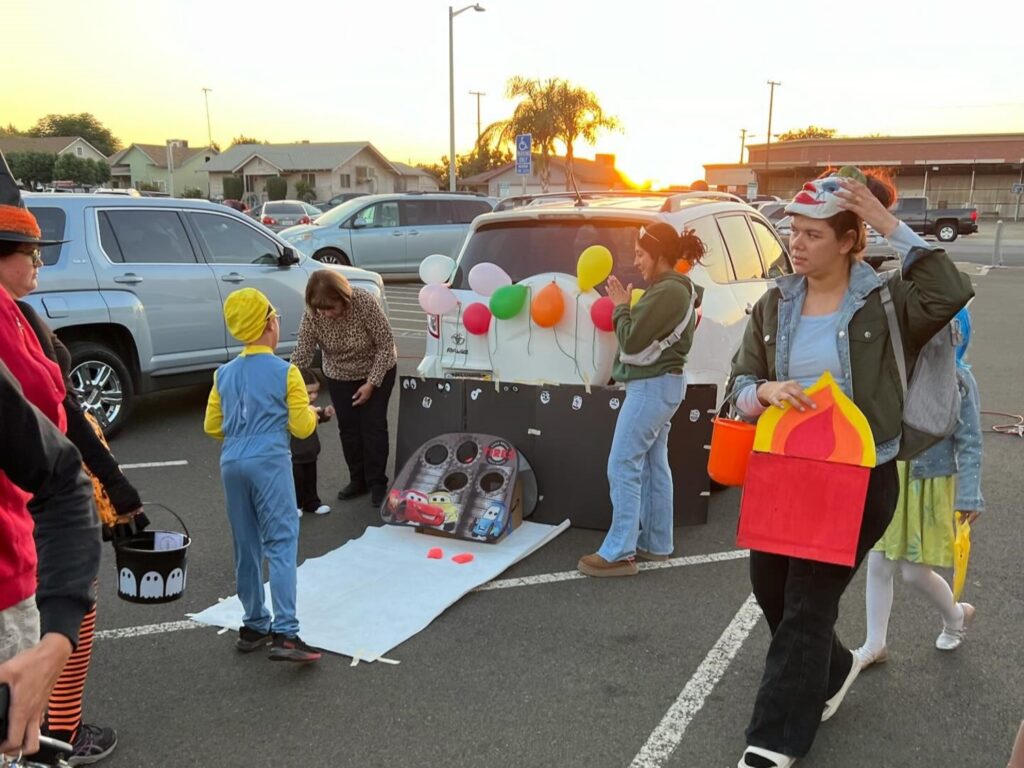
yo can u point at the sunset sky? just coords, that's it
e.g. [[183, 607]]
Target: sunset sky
[[683, 77]]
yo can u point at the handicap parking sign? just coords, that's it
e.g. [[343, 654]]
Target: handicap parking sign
[[524, 154]]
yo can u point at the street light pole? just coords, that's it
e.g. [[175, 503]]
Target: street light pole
[[452, 13], [768, 141], [743, 141], [209, 133]]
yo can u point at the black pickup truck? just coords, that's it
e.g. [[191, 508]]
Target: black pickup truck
[[945, 223]]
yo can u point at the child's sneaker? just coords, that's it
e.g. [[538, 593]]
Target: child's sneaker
[[298, 511], [323, 509], [284, 648]]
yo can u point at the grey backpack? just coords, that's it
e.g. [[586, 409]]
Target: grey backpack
[[931, 398]]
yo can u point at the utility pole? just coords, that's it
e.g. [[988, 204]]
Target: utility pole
[[743, 141], [209, 133], [478, 94], [768, 142]]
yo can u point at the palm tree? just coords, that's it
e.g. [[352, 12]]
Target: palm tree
[[536, 114], [579, 116]]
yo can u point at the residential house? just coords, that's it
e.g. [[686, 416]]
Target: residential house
[[330, 168], [597, 174], [147, 164], [415, 179], [51, 145]]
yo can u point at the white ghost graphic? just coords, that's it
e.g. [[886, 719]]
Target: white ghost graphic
[[545, 397], [126, 583], [175, 583], [577, 402], [614, 403], [152, 585]]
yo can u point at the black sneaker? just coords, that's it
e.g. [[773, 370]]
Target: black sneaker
[[352, 491], [92, 744], [250, 640], [284, 648], [377, 495]]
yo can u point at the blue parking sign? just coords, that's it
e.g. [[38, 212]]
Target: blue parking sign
[[524, 154]]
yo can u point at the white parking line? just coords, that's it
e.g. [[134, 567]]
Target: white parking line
[[149, 464], [669, 733], [526, 581]]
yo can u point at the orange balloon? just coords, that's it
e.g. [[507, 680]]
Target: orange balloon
[[549, 306], [683, 266]]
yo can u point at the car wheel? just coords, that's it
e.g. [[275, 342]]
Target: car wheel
[[332, 256], [102, 383], [946, 231]]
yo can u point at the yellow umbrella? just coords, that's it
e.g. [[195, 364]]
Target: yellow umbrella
[[961, 554]]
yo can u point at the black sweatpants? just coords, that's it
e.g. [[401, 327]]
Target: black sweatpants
[[306, 497], [806, 662], [364, 429]]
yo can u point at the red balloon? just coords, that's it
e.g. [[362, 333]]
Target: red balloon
[[477, 318], [601, 314]]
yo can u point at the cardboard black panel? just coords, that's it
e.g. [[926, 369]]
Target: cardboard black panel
[[427, 408], [688, 454]]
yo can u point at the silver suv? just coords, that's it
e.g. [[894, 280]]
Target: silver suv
[[390, 233], [136, 294]]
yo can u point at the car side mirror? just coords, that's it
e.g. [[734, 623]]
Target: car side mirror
[[358, 222], [287, 258]]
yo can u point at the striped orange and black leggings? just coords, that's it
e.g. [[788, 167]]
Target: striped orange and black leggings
[[64, 714]]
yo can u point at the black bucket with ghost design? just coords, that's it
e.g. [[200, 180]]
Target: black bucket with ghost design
[[152, 565]]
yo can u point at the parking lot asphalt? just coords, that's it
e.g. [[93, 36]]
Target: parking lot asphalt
[[657, 670]]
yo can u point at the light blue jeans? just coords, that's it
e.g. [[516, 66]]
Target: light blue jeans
[[638, 471], [261, 509]]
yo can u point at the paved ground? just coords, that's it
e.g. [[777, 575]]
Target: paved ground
[[658, 670]]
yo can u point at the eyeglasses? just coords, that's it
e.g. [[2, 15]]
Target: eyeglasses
[[35, 254]]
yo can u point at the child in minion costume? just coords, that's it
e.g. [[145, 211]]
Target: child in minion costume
[[257, 400]]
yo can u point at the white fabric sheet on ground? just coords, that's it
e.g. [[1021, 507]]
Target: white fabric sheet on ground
[[377, 591]]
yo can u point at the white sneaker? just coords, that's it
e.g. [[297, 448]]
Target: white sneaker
[[832, 705], [778, 759], [298, 511], [323, 509], [951, 639]]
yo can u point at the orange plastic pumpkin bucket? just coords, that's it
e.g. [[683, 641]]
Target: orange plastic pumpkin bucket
[[732, 442]]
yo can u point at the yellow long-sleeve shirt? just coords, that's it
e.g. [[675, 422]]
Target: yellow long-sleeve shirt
[[302, 419]]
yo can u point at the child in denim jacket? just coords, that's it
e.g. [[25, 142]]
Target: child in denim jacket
[[943, 481]]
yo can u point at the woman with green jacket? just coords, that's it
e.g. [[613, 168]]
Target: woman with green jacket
[[830, 316], [654, 338]]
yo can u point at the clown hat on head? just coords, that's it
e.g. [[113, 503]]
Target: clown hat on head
[[17, 224], [818, 200]]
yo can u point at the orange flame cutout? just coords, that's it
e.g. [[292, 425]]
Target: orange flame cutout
[[835, 431]]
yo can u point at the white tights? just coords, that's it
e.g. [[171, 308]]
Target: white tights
[[881, 571]]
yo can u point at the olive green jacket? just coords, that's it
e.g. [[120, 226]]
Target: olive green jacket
[[926, 296]]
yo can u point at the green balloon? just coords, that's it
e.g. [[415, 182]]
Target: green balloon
[[508, 301]]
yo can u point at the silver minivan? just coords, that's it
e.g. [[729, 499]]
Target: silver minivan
[[390, 233]]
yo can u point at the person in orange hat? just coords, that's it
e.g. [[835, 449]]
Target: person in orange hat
[[257, 400]]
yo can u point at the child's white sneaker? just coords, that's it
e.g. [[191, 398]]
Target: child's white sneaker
[[323, 509], [951, 639], [298, 511]]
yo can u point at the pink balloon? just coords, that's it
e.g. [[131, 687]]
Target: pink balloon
[[601, 314], [485, 278], [437, 299], [477, 318]]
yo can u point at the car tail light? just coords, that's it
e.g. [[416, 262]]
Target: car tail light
[[269, 220], [433, 326], [304, 220], [974, 215]]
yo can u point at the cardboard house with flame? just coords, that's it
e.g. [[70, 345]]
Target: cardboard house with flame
[[807, 479]]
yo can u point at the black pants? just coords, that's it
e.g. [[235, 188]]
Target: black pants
[[306, 497], [364, 429], [806, 662]]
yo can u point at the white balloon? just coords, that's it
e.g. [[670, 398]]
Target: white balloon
[[436, 269], [485, 278]]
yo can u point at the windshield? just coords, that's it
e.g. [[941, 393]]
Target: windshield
[[287, 208], [526, 248], [342, 212]]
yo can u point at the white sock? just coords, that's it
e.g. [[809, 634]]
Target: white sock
[[935, 588], [878, 599]]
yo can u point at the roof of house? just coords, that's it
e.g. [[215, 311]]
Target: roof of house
[[157, 154], [49, 144], [288, 158], [411, 170], [588, 171]]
